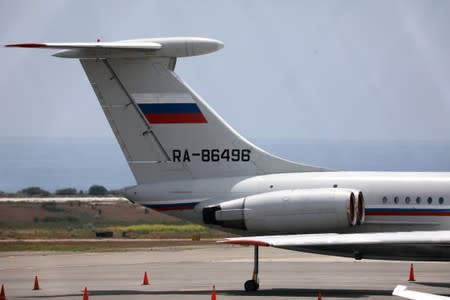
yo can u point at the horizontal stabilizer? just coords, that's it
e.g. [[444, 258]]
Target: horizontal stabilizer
[[103, 45], [140, 48]]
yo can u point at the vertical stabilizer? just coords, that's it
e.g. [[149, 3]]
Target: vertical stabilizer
[[166, 131]]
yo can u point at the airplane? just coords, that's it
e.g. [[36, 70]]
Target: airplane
[[189, 163], [401, 291]]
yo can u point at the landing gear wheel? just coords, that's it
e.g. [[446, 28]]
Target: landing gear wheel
[[251, 286]]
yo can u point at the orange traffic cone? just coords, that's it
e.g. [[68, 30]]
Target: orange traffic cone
[[411, 273], [85, 294], [319, 296], [213, 293], [36, 283], [2, 294], [145, 282]]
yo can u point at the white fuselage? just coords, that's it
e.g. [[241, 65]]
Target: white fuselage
[[394, 201]]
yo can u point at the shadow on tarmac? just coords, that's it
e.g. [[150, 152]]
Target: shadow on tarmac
[[436, 284], [335, 293]]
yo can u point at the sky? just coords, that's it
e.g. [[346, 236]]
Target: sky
[[322, 70]]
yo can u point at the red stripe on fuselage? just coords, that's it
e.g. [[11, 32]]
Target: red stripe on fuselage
[[407, 213]]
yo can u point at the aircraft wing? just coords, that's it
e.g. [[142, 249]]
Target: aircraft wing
[[401, 291], [335, 239]]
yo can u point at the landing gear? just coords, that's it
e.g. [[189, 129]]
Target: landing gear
[[253, 284]]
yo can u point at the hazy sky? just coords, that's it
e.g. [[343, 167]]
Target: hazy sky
[[377, 70]]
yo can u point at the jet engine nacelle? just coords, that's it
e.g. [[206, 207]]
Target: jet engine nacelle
[[290, 211]]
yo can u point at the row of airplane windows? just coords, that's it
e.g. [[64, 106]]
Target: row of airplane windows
[[407, 200]]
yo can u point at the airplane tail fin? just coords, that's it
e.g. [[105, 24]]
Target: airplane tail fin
[[165, 130]]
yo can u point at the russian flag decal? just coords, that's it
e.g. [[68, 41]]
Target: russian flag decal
[[172, 113]]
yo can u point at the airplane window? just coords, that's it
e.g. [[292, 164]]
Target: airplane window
[[396, 200], [418, 200], [407, 200], [385, 200], [430, 200], [441, 200]]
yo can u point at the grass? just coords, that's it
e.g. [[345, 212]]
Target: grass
[[52, 207], [169, 234], [47, 228], [56, 221], [67, 228], [152, 228]]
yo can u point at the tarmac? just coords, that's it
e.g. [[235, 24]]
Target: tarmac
[[189, 272]]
